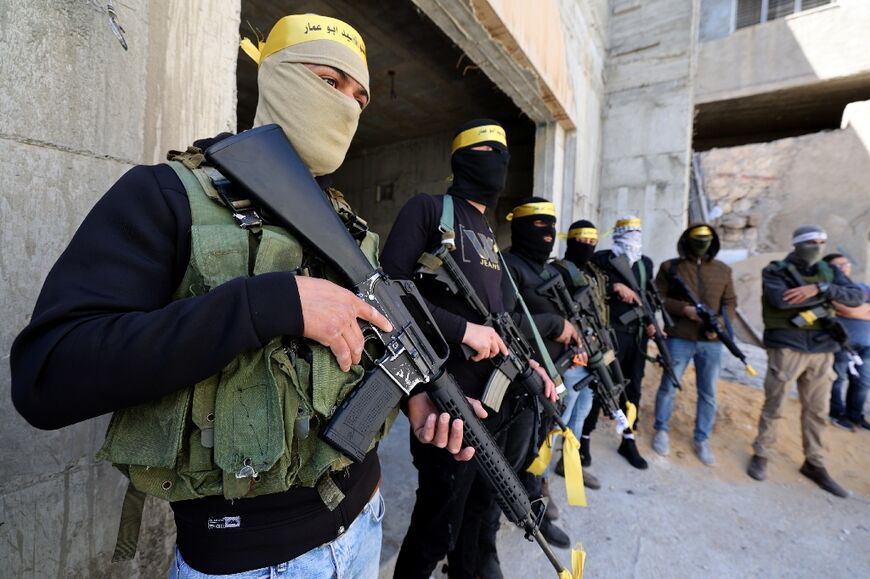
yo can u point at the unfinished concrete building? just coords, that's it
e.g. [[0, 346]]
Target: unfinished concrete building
[[782, 128], [598, 97]]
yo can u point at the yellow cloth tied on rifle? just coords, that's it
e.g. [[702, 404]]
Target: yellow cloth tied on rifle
[[571, 460], [578, 562], [631, 414]]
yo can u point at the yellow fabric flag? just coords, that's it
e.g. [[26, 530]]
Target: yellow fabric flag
[[631, 415], [571, 459], [578, 562]]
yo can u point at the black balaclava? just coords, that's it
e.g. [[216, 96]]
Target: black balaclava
[[527, 239], [699, 240], [479, 175], [576, 252], [809, 243]]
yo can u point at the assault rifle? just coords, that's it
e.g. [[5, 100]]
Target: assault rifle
[[263, 165], [711, 321], [647, 313], [596, 341], [515, 366]]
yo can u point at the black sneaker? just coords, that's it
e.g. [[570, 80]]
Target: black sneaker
[[820, 476], [554, 535], [585, 454], [628, 449], [488, 566], [862, 424], [843, 422]]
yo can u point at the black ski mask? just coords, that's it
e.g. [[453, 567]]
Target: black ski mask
[[527, 239], [577, 252], [479, 175]]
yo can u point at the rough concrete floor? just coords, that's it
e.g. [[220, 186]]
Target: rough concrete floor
[[681, 519]]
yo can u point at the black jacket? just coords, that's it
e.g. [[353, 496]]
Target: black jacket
[[775, 280], [105, 334], [601, 259]]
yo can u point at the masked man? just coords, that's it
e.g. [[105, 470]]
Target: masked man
[[201, 338], [709, 280], [801, 337], [582, 239], [631, 336], [451, 499]]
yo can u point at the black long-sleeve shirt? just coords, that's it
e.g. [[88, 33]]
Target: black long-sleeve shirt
[[105, 334], [416, 231]]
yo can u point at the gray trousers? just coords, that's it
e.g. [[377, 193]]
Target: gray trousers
[[814, 376]]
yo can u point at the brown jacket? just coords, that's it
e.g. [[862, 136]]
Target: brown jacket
[[708, 278]]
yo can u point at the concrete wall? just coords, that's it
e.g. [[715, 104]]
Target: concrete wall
[[648, 118], [77, 111], [808, 47], [766, 190], [716, 19]]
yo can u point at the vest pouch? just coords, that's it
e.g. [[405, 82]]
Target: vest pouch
[[149, 434], [219, 253], [249, 426], [277, 252]]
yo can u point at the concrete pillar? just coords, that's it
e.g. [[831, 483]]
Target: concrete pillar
[[647, 133], [76, 112]]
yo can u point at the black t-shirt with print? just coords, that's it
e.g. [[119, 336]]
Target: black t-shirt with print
[[415, 232]]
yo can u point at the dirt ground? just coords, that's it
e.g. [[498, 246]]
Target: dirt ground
[[680, 518]]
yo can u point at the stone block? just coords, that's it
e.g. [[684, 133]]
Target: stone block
[[733, 221]]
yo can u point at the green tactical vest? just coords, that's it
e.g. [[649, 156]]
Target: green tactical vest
[[251, 429], [777, 319]]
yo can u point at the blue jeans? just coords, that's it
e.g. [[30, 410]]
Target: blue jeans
[[858, 386], [578, 403], [707, 357], [354, 555]]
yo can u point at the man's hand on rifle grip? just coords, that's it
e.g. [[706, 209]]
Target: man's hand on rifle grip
[[549, 387], [330, 313], [432, 428], [483, 340], [626, 294]]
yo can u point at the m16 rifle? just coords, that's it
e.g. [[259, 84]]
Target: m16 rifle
[[711, 321], [579, 309], [515, 367], [263, 165], [650, 301]]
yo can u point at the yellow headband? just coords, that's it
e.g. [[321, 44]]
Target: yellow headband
[[581, 232], [628, 222], [479, 134], [299, 28], [539, 208], [701, 231]]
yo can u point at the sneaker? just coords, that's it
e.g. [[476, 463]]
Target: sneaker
[[843, 422], [660, 443], [628, 449], [862, 424], [554, 535], [820, 476], [757, 467], [585, 454], [705, 455], [552, 511], [590, 481], [488, 566]]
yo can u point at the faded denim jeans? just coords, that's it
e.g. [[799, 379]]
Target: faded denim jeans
[[354, 555], [708, 360], [578, 403]]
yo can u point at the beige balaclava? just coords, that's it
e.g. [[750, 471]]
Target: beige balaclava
[[319, 120]]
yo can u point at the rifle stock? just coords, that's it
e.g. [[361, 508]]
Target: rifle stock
[[264, 165]]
